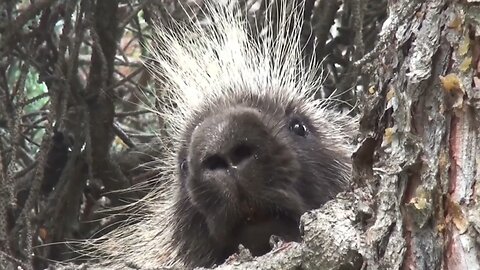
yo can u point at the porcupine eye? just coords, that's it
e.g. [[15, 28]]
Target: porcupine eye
[[184, 167], [298, 127]]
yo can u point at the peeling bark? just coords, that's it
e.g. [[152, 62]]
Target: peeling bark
[[428, 140]]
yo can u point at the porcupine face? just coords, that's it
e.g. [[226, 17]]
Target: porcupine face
[[249, 169]]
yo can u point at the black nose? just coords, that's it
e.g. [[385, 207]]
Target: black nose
[[233, 158], [232, 141]]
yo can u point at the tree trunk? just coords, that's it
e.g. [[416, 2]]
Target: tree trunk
[[422, 141]]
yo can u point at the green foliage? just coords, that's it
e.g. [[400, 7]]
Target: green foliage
[[34, 89]]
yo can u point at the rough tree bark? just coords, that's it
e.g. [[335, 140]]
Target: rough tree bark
[[420, 158]]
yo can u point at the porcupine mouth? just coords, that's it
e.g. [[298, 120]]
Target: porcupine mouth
[[256, 228]]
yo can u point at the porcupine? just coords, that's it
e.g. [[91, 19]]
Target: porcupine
[[251, 149]]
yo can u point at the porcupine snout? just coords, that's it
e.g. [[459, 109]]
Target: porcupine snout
[[225, 151], [232, 146], [235, 160]]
